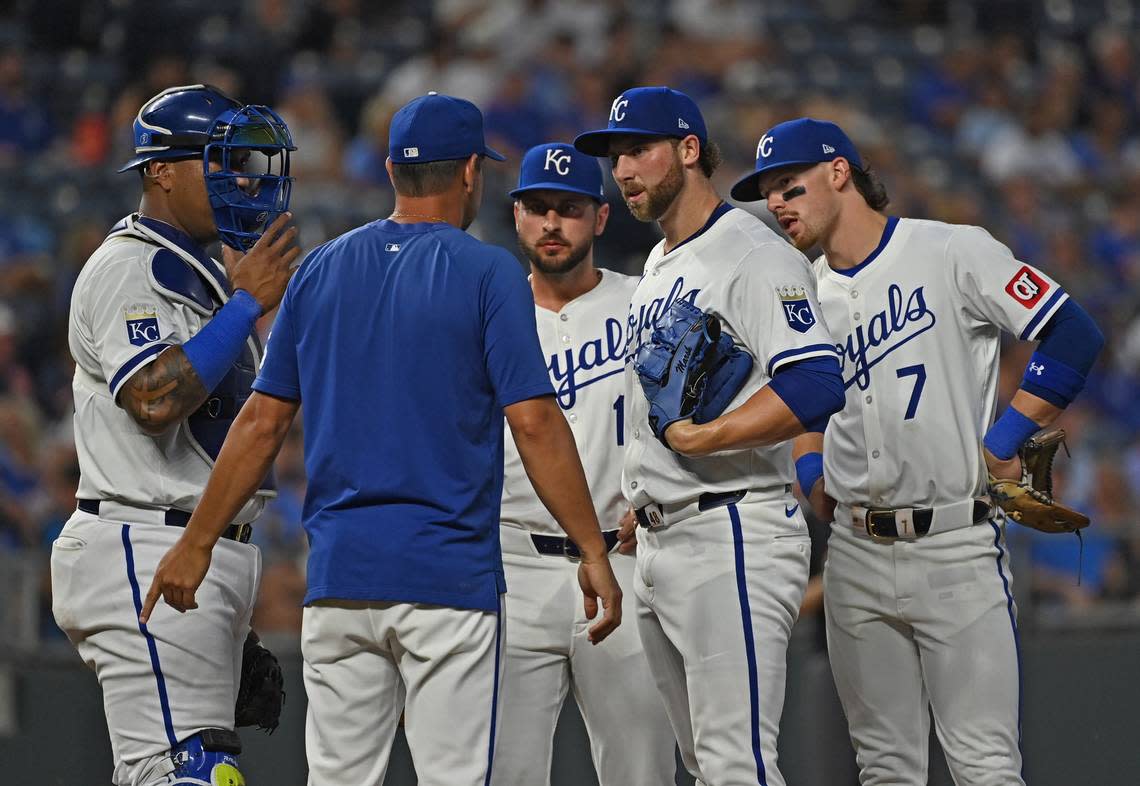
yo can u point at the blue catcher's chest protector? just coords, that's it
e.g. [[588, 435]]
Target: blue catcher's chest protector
[[184, 273]]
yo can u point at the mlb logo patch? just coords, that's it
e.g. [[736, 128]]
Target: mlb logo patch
[[411, 152], [142, 329], [1027, 287], [392, 247], [797, 309]]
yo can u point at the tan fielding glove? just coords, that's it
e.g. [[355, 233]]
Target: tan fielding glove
[[1030, 501]]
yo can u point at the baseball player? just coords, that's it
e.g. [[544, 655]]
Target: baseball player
[[722, 556], [581, 312], [407, 340], [165, 351], [919, 612]]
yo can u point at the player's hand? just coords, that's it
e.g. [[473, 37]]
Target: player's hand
[[1007, 469], [627, 533], [177, 578], [597, 580], [822, 503], [265, 269]]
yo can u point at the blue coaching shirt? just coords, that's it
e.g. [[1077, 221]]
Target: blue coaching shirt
[[404, 342]]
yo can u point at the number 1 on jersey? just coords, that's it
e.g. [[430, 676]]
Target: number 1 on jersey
[[919, 373], [619, 417]]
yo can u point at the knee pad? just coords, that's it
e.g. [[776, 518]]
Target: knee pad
[[209, 758]]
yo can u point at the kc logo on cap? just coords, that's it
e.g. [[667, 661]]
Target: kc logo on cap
[[617, 111], [557, 166], [646, 111], [795, 143], [559, 159]]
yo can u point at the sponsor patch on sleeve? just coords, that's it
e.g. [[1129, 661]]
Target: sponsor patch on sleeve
[[142, 324], [797, 308], [1027, 287]]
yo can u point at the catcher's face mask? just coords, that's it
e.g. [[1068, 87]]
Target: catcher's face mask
[[252, 185]]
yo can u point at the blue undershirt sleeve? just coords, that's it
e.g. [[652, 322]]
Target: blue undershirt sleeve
[[812, 389], [1070, 343]]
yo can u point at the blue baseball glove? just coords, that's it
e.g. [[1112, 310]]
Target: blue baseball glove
[[689, 368]]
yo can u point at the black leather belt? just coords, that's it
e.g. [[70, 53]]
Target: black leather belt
[[706, 501], [178, 518], [881, 521], [561, 546]]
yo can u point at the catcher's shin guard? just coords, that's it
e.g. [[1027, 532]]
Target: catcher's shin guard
[[208, 758]]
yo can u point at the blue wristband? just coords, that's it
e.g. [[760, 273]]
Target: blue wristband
[[809, 469], [1009, 433], [213, 350]]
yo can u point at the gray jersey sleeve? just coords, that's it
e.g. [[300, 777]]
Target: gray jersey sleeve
[[121, 323]]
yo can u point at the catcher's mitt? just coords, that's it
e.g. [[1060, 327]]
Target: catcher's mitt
[[261, 693], [689, 368], [1030, 500]]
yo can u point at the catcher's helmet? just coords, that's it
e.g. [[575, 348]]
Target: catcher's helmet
[[251, 144]]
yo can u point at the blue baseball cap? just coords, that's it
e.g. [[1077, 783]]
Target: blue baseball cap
[[800, 141], [557, 166], [649, 111], [437, 128]]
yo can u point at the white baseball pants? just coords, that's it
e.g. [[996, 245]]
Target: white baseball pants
[[176, 675], [915, 626], [365, 662], [548, 654], [717, 595]]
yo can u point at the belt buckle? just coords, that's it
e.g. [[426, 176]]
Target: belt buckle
[[872, 526], [243, 532]]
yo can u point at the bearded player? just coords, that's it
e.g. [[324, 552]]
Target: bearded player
[[722, 555], [581, 312]]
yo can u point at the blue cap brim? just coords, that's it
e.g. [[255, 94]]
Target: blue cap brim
[[493, 154], [747, 188], [597, 143], [556, 187]]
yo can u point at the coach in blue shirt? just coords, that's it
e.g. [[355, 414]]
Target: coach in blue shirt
[[407, 340]]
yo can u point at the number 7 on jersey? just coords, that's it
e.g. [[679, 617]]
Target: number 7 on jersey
[[919, 374]]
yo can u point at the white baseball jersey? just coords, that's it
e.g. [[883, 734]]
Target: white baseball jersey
[[584, 343], [763, 291], [546, 652], [918, 329], [122, 318], [918, 325]]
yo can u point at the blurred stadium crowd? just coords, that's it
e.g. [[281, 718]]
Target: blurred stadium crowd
[[1023, 117]]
